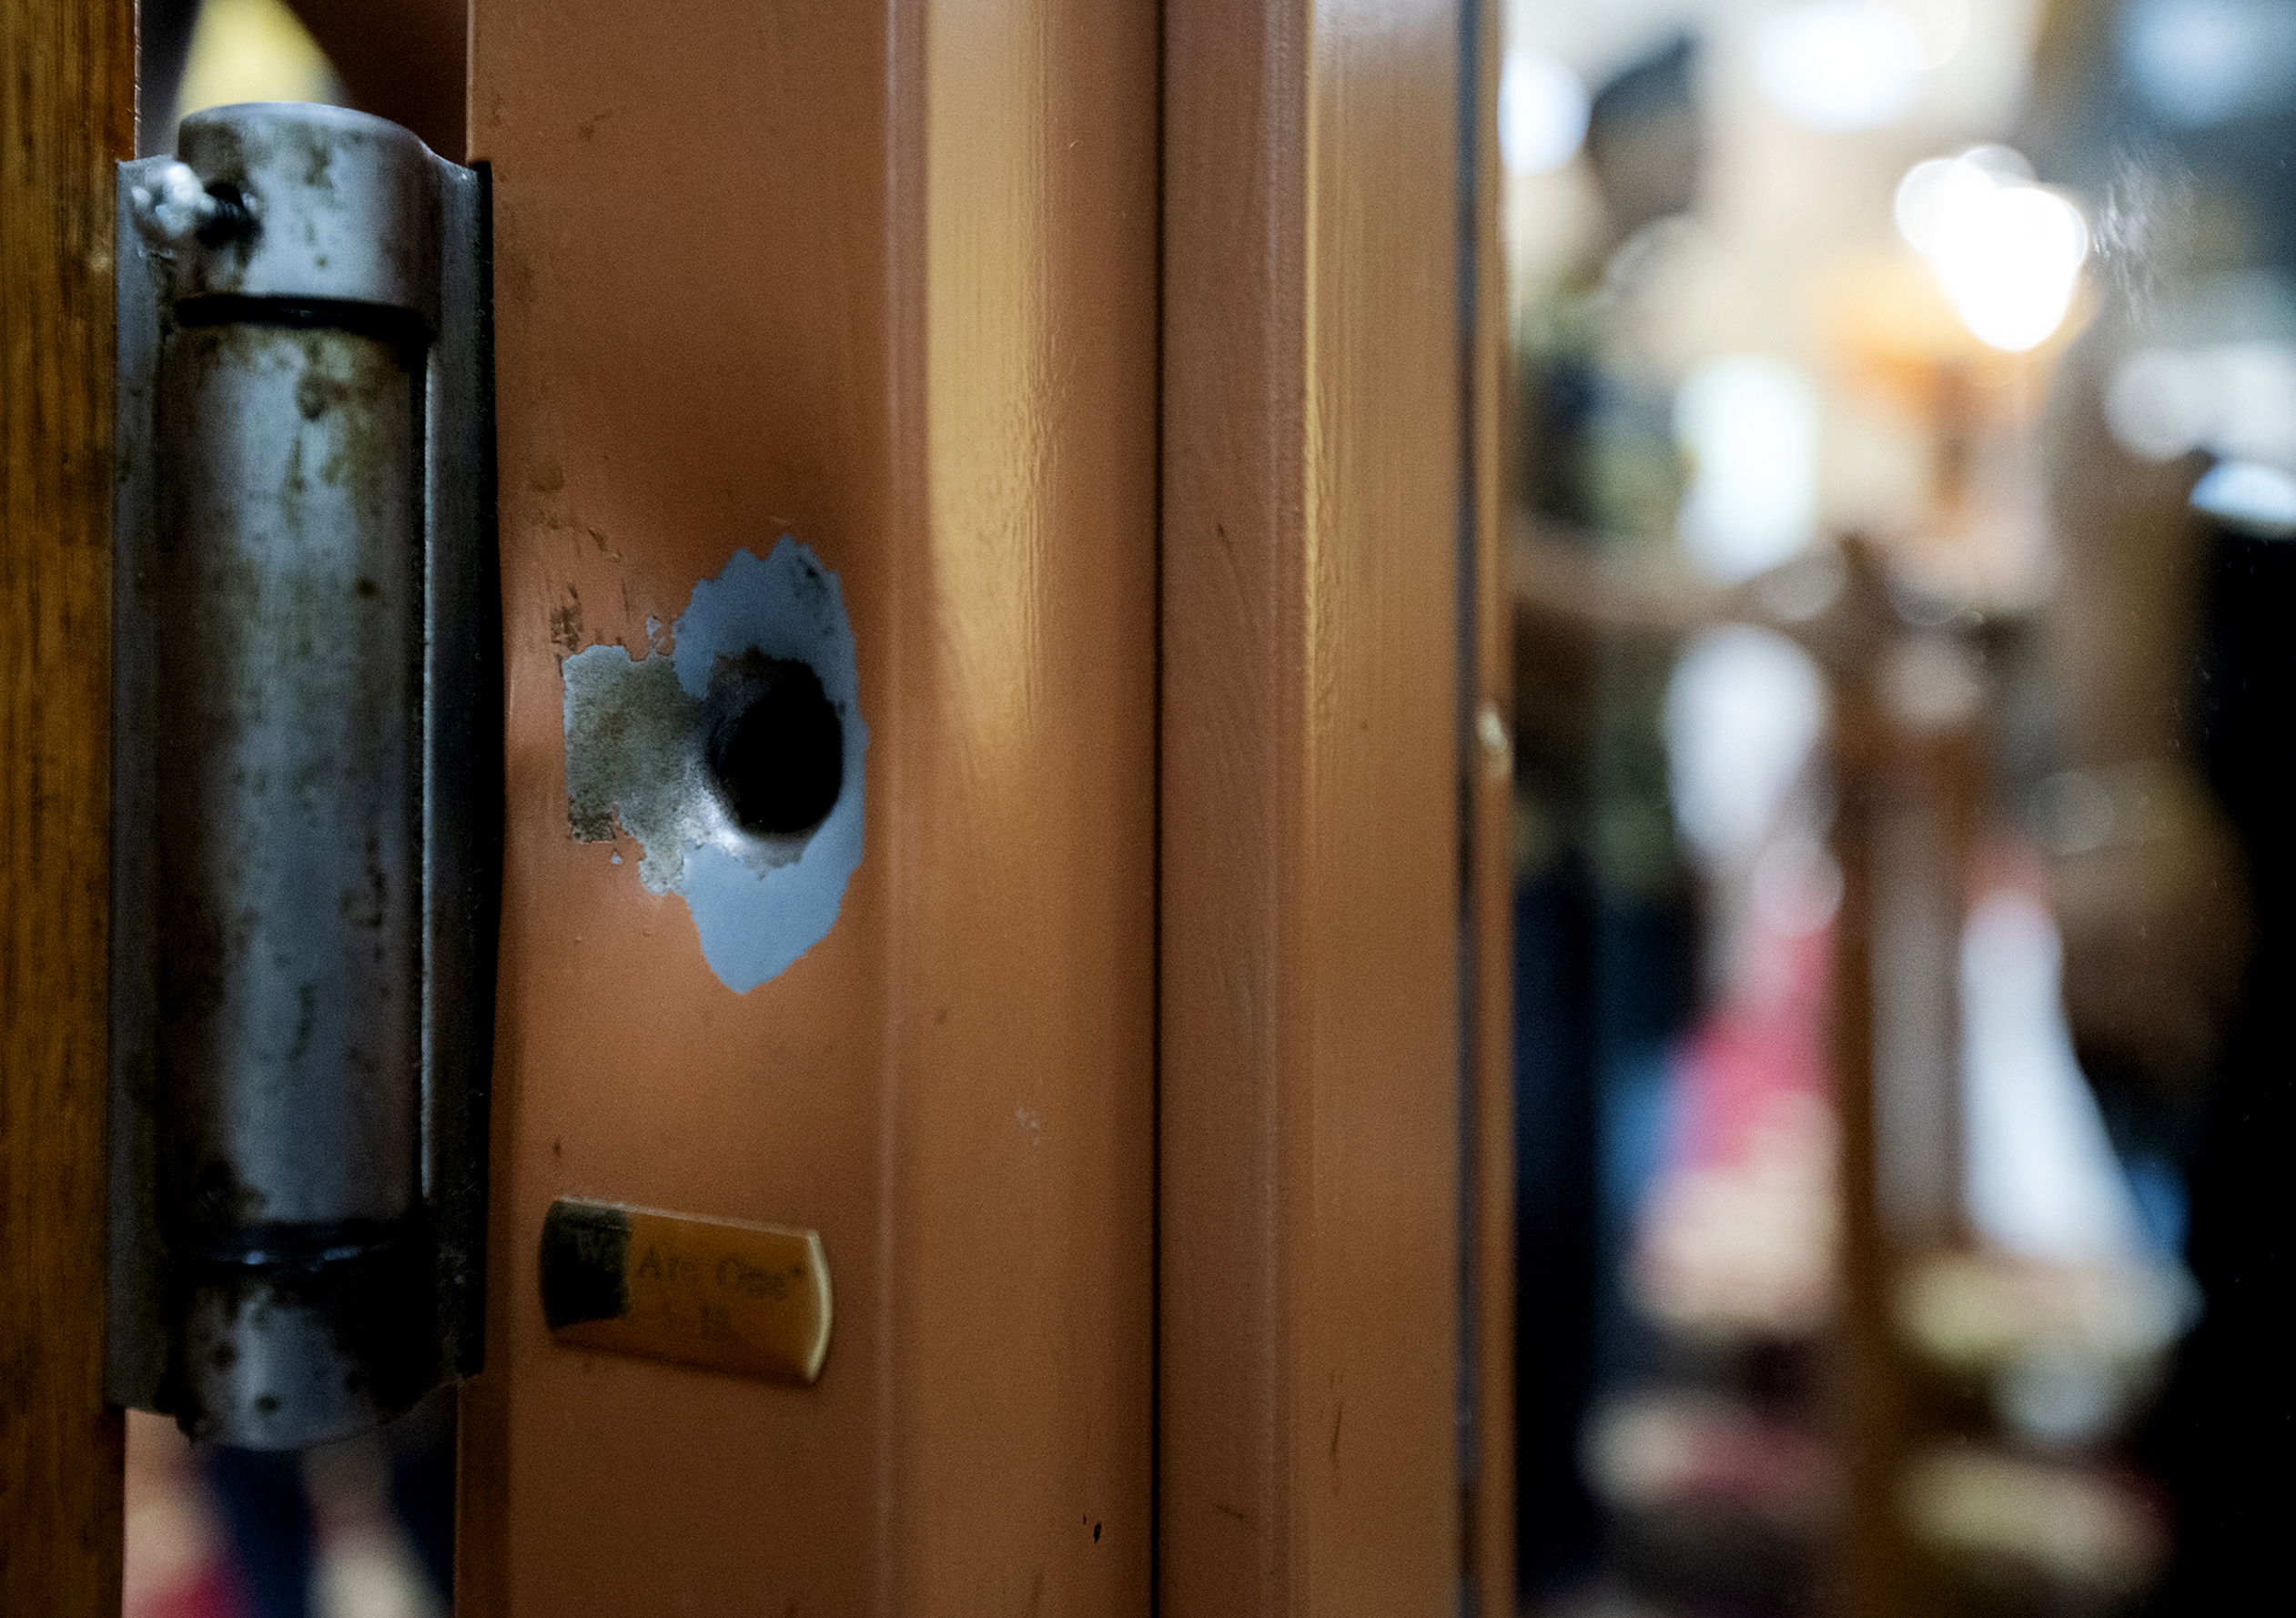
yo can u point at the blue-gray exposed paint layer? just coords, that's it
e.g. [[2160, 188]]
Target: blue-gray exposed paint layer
[[634, 754]]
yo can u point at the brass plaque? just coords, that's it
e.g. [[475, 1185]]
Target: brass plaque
[[721, 1293]]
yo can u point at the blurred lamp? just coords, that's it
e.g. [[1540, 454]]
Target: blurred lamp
[[1542, 111], [2007, 251]]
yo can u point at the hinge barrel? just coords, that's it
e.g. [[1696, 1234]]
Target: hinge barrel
[[307, 806]]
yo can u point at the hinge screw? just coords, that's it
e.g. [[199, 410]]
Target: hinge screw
[[175, 206]]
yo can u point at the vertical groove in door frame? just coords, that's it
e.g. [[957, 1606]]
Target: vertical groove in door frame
[[1311, 903], [68, 113]]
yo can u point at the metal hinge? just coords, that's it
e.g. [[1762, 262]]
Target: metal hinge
[[307, 787]]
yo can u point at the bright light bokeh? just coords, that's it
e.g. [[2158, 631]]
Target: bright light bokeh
[[1843, 64], [1744, 707], [2041, 1178], [2236, 401], [2007, 251], [1749, 424], [2251, 497], [1543, 112], [1941, 25]]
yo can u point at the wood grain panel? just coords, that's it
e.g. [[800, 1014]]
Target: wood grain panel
[[1310, 1091], [67, 108], [882, 279]]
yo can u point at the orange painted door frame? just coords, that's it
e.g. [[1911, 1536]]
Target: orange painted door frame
[[880, 280], [1112, 357], [1334, 1426]]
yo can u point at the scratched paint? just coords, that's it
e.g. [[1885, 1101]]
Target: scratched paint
[[635, 758]]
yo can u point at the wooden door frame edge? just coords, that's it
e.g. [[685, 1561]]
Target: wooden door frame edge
[[67, 114], [1317, 1088]]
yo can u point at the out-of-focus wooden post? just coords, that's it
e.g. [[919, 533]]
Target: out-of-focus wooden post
[[1866, 1392], [68, 113], [1909, 757]]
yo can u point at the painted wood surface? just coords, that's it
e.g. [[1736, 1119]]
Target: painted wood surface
[[882, 279], [1311, 1074], [67, 110]]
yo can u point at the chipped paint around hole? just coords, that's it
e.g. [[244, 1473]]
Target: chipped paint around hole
[[639, 735]]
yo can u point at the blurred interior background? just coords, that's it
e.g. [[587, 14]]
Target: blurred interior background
[[1904, 453], [1902, 413]]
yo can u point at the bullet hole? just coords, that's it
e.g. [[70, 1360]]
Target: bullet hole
[[775, 747], [732, 755]]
